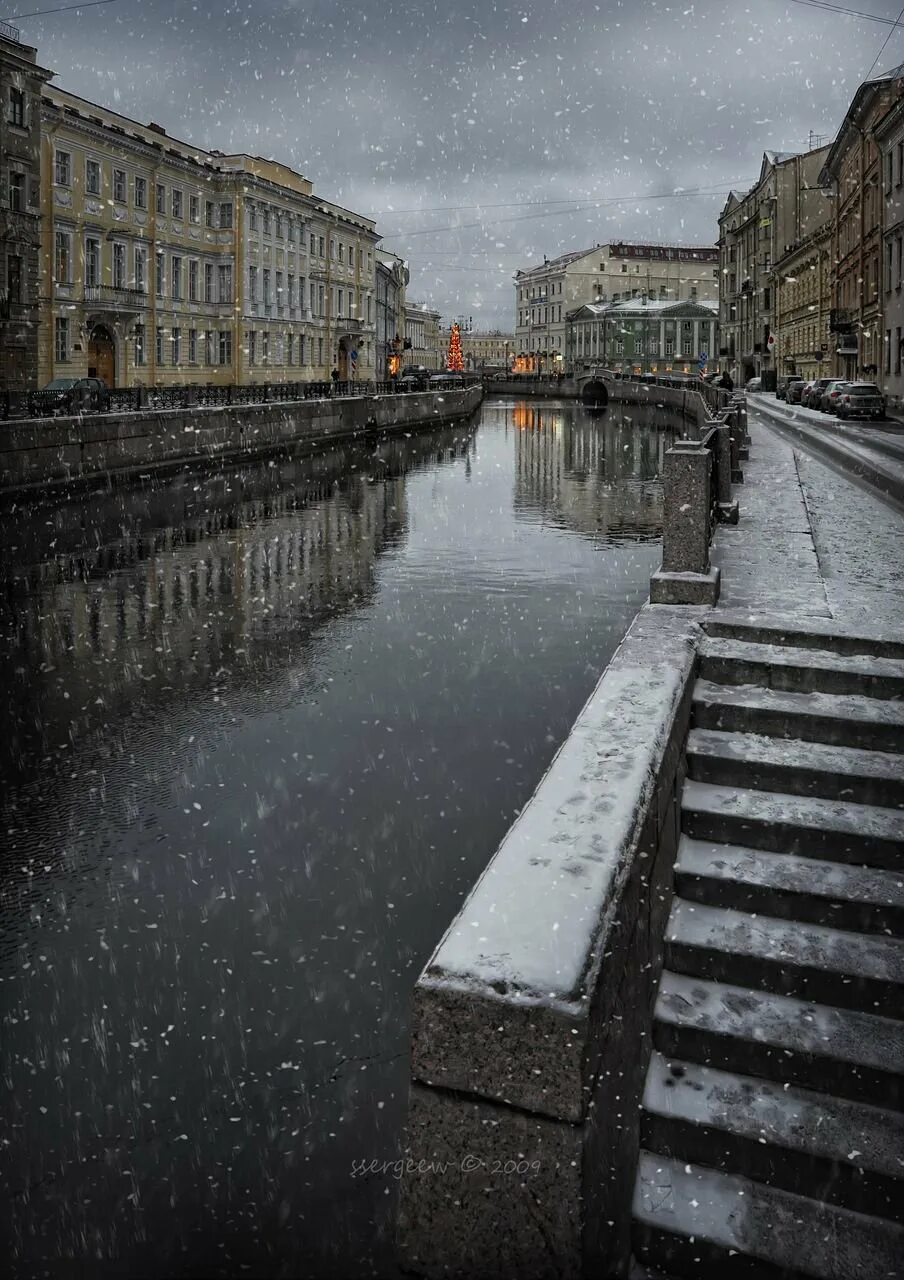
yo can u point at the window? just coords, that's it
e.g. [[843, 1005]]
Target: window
[[194, 209], [160, 205], [332, 249], [177, 345], [341, 251], [898, 352], [252, 283], [291, 293], [313, 298], [193, 280], [686, 346], [313, 244], [16, 113], [889, 175], [160, 284], [252, 346], [226, 216], [208, 282], [266, 222], [209, 216], [92, 177], [900, 163], [224, 274], [120, 186], [301, 348], [290, 348], [670, 346], [321, 245], [177, 204], [141, 193], [119, 266], [161, 339], [279, 233], [321, 294], [252, 218], [225, 347], [624, 266], [176, 277], [320, 350], [290, 236], [61, 339], [192, 346], [266, 278], [141, 268], [888, 350], [62, 169], [140, 353], [62, 269], [17, 191], [208, 346], [14, 278], [265, 347], [279, 291]]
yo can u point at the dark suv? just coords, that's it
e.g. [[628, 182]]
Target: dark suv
[[71, 395]]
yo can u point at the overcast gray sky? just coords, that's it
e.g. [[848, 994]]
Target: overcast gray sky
[[404, 105]]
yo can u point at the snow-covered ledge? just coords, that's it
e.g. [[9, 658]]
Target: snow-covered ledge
[[531, 1021]]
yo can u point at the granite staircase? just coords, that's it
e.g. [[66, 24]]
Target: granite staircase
[[772, 1126]]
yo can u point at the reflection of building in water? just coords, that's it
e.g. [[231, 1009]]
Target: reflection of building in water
[[230, 594], [598, 476]]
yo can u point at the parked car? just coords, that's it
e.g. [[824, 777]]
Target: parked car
[[71, 395], [795, 391], [861, 400], [829, 402], [781, 389], [814, 391], [754, 384], [439, 380]]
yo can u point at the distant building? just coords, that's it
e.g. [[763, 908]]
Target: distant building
[[545, 294], [642, 336], [423, 338], [20, 210], [756, 229], [889, 134], [489, 348], [853, 173]]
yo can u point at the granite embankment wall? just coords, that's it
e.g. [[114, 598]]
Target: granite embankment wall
[[37, 453], [687, 404], [531, 1024]]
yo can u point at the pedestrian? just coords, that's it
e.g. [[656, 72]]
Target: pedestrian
[[726, 382], [335, 376]]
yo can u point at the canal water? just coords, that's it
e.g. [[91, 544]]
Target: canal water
[[265, 726]]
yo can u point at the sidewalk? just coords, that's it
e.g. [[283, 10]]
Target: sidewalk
[[810, 543]]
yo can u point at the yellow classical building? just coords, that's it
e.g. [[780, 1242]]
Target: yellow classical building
[[163, 264], [803, 304]]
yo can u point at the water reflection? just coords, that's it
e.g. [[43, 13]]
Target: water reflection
[[266, 725]]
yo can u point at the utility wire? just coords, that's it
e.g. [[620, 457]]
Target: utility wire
[[526, 204], [850, 13], [66, 8], [884, 43]]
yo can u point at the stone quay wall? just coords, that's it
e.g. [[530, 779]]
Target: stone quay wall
[[531, 1024], [36, 453]]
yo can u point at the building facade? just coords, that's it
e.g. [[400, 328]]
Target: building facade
[[489, 348], [890, 137], [423, 337], [853, 173], [390, 285], [803, 307], [777, 214], [22, 82], [544, 295], [642, 336]]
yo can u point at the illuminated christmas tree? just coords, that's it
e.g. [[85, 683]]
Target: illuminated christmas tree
[[455, 362]]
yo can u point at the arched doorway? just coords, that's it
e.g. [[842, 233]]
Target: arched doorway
[[342, 363], [102, 355]]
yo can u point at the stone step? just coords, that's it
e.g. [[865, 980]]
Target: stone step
[[811, 633], [810, 961], [831, 1148], [858, 899], [796, 768], [839, 1051], [807, 825], [739, 662], [701, 1224], [845, 720]]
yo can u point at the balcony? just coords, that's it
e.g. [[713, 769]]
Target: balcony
[[113, 299]]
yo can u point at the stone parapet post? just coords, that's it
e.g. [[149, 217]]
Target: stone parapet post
[[685, 576]]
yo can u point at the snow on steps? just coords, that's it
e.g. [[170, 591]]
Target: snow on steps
[[806, 825], [796, 768], [782, 884], [832, 1050], [738, 662], [831, 1148], [705, 1224], [846, 720]]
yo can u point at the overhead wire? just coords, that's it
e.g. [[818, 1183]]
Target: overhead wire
[[849, 13], [884, 43], [66, 8]]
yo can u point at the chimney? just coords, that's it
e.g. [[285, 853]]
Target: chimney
[[157, 128]]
